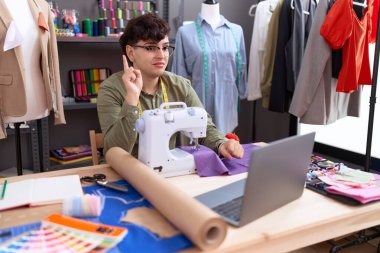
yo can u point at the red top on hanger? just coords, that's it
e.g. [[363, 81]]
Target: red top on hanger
[[375, 13], [342, 28]]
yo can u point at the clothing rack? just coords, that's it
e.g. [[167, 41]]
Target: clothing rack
[[372, 100]]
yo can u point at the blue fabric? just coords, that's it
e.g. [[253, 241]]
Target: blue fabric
[[116, 206], [138, 239], [222, 64]]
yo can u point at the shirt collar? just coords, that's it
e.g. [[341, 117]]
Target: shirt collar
[[223, 21]]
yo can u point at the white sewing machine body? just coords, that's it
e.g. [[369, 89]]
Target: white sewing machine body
[[155, 128]]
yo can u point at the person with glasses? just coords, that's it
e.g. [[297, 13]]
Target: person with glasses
[[144, 85]]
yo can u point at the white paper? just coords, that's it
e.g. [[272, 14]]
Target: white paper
[[13, 38], [41, 191]]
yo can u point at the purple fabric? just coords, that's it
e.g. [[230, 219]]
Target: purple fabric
[[209, 164]]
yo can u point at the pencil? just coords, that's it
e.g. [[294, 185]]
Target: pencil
[[4, 188]]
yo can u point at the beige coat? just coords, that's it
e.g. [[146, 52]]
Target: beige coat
[[12, 83]]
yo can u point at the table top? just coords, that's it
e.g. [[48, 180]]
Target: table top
[[308, 220]]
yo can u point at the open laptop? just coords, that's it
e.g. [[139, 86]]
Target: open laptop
[[276, 176]]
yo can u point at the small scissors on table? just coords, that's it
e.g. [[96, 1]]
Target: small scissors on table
[[101, 179]]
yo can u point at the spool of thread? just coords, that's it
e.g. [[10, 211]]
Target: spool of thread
[[102, 4], [101, 27], [118, 5], [140, 6], [106, 22], [102, 12], [119, 13], [112, 11], [128, 14], [87, 29], [147, 6], [95, 31], [110, 4], [120, 23], [85, 206], [125, 5], [135, 13], [114, 23], [107, 31]]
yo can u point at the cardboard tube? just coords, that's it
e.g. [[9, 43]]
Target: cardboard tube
[[202, 226]]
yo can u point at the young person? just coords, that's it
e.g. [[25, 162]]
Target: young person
[[144, 84]]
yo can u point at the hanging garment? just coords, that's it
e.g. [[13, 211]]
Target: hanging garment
[[374, 18], [12, 79], [218, 75], [342, 28], [270, 52], [294, 29], [257, 53], [315, 100]]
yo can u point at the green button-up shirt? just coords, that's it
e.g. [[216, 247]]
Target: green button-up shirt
[[117, 118]]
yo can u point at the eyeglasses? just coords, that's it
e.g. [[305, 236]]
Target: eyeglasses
[[167, 50]]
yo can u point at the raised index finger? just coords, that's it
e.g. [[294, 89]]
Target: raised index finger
[[125, 63]]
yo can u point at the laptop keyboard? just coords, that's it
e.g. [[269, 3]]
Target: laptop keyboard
[[230, 209]]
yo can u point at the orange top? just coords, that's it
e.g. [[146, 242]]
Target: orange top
[[342, 28]]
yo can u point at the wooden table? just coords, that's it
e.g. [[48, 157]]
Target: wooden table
[[308, 220]]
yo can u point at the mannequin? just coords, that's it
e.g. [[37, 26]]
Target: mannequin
[[211, 53], [210, 12], [34, 87], [29, 70]]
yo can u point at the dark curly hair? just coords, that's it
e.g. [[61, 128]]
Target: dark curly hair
[[148, 27]]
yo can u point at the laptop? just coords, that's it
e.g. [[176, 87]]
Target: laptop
[[276, 176]]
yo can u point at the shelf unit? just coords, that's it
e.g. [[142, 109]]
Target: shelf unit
[[80, 53], [61, 39]]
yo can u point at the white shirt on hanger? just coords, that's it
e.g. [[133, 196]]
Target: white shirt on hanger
[[263, 15]]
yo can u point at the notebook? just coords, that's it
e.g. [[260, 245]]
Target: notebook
[[41, 191], [276, 176]]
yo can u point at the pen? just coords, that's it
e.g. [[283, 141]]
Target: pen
[[4, 188]]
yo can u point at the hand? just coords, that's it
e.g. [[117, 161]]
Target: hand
[[132, 83], [231, 148]]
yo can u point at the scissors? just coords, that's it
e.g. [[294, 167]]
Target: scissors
[[101, 179]]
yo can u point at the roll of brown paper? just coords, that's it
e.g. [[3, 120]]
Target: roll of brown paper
[[202, 226]]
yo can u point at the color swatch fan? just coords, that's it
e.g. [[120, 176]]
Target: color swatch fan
[[62, 234]]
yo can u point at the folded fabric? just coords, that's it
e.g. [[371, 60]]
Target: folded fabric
[[363, 195], [209, 164]]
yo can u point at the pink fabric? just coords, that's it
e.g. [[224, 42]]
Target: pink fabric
[[364, 195]]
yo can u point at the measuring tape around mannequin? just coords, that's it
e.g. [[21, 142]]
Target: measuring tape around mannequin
[[205, 60]]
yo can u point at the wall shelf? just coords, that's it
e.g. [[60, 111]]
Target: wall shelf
[[78, 105], [87, 39]]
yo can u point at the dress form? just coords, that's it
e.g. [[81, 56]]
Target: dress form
[[210, 12], [31, 50], [37, 107]]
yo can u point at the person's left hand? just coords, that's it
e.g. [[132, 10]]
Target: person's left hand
[[231, 148]]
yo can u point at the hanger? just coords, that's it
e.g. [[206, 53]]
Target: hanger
[[251, 9], [364, 4], [292, 6]]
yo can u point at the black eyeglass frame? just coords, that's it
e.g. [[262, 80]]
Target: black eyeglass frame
[[146, 47]]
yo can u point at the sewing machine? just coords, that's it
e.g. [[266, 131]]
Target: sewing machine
[[155, 127]]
